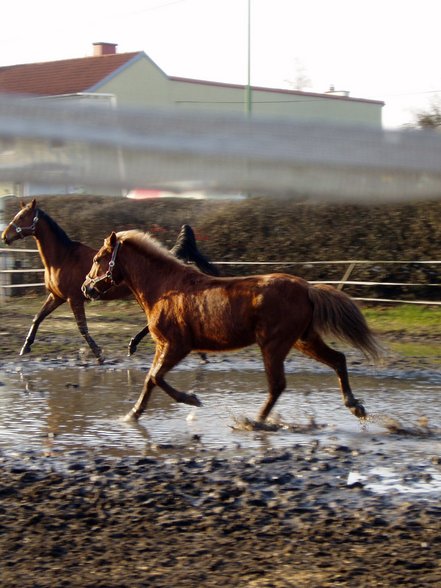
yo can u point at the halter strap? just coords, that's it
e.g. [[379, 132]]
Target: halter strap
[[31, 228], [108, 275], [112, 262]]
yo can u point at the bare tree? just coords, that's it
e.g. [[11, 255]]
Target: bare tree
[[430, 118], [301, 80]]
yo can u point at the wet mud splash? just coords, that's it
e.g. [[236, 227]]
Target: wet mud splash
[[420, 429], [398, 426], [274, 425]]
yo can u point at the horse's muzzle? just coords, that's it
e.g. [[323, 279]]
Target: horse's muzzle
[[90, 292]]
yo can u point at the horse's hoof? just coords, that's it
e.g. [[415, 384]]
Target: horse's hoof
[[192, 400], [132, 348], [24, 350], [131, 417], [100, 359], [358, 410]]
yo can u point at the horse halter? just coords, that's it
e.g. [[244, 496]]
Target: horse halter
[[108, 275], [31, 228]]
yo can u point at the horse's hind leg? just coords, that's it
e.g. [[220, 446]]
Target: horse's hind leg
[[314, 346], [51, 303], [274, 355], [134, 341], [165, 358], [80, 317]]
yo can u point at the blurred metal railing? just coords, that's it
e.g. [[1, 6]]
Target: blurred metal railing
[[348, 266]]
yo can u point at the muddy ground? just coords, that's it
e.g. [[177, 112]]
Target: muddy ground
[[282, 519], [286, 518]]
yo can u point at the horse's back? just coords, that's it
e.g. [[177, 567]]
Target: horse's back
[[281, 301], [228, 313], [268, 289]]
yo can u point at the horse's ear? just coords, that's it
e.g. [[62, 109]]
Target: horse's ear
[[32, 204], [113, 239]]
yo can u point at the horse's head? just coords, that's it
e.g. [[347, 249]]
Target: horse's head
[[23, 224], [103, 274]]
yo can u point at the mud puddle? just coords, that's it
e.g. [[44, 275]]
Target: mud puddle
[[59, 410]]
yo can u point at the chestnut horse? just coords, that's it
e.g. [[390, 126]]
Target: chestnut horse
[[66, 262], [188, 310]]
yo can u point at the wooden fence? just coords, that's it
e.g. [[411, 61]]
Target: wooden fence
[[7, 271]]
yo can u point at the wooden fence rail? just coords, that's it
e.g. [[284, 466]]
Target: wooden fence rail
[[348, 266]]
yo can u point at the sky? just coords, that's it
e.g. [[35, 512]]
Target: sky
[[385, 50]]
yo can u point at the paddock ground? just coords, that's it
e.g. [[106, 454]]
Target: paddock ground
[[280, 518]]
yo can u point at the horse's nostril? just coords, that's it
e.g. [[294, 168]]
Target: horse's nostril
[[90, 292]]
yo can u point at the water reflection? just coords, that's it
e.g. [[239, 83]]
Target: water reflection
[[77, 408]]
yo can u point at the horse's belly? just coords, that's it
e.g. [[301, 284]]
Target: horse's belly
[[210, 338], [210, 345]]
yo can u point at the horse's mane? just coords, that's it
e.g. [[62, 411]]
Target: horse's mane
[[147, 244], [186, 249], [55, 228]]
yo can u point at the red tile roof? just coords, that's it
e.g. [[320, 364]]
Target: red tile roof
[[72, 76], [68, 76]]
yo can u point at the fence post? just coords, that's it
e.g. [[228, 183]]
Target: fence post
[[346, 275], [5, 278]]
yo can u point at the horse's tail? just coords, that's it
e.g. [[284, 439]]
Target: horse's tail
[[335, 313], [186, 249]]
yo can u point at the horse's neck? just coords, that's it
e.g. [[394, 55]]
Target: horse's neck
[[52, 249], [149, 277]]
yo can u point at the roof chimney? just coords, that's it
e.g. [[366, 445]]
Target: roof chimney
[[100, 49], [335, 92]]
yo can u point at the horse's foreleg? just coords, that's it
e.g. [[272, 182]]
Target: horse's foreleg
[[274, 355], [134, 341], [315, 347], [165, 358], [184, 397], [80, 317], [51, 303], [141, 403]]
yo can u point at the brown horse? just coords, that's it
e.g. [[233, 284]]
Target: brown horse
[[66, 262], [188, 310]]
